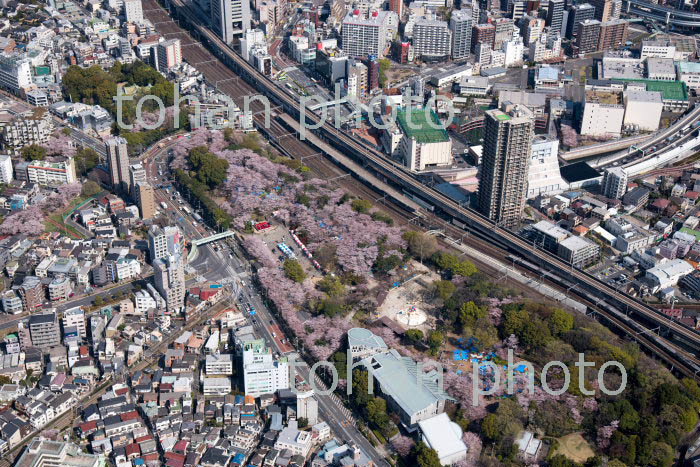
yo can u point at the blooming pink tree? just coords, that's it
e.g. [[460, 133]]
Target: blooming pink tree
[[474, 445], [61, 144], [402, 445], [29, 221], [605, 433]]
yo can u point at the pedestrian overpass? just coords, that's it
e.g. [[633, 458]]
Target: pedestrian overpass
[[203, 241]]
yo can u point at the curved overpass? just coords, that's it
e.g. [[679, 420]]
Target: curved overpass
[[399, 176], [670, 16]]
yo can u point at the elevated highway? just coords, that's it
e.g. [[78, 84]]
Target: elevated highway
[[686, 342], [671, 17]]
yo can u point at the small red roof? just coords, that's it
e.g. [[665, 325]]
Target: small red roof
[[175, 456], [154, 456], [180, 446], [88, 426], [133, 449], [133, 415], [692, 194], [661, 203], [141, 439]]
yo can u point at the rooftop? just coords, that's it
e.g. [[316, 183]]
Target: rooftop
[[670, 90], [415, 123], [578, 172]]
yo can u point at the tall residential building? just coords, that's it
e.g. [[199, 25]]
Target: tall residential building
[[169, 55], [605, 10], [555, 15], [75, 317], [357, 79], [615, 182], [230, 18], [44, 329], [262, 374], [578, 14], [15, 73], [164, 242], [133, 11], [483, 34], [397, 7], [365, 34], [613, 34], [6, 169], [504, 30], [461, 28], [118, 163], [137, 173], [531, 29], [588, 36], [32, 293], [504, 169], [169, 278], [432, 39], [145, 198]]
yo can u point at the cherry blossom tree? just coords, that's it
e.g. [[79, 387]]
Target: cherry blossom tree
[[29, 221], [61, 144], [256, 247], [605, 433], [460, 387], [402, 445], [474, 445]]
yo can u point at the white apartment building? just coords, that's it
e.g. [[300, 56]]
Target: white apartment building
[[300, 49], [365, 34], [261, 373], [643, 109], [216, 385], [461, 28], [133, 11], [52, 173], [603, 115], [432, 39], [26, 129], [143, 302], [668, 274], [169, 275], [15, 73], [250, 39], [543, 176], [219, 364], [75, 317], [298, 442], [128, 268], [6, 171], [513, 52], [615, 182]]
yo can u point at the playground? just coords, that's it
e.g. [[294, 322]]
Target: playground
[[409, 300], [574, 447]]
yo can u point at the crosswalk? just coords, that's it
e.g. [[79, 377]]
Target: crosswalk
[[336, 400]]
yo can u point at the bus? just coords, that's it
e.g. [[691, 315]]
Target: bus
[[163, 205], [187, 210]]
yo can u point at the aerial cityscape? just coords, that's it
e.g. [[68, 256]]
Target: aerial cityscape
[[349, 233]]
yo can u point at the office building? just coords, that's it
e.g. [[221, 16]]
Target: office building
[[578, 14], [531, 29], [169, 278], [613, 35], [145, 198], [118, 163], [52, 173], [643, 109], [578, 252], [588, 35], [307, 407], [657, 49], [44, 329], [421, 146], [483, 34], [219, 364], [357, 79], [603, 114], [230, 18], [75, 317], [504, 169], [216, 385], [251, 39], [543, 175], [461, 29], [169, 55], [432, 39], [614, 183], [262, 374], [6, 172], [15, 73], [365, 34], [555, 15], [133, 11], [606, 10], [164, 242], [503, 32]]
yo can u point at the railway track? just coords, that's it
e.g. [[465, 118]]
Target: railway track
[[398, 176]]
